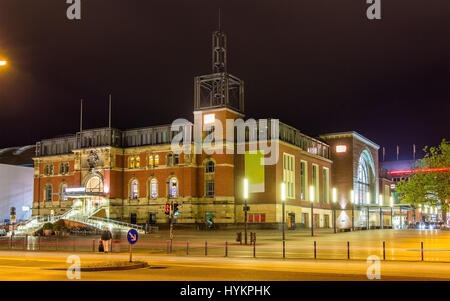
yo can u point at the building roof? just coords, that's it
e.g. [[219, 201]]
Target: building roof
[[351, 134], [19, 155]]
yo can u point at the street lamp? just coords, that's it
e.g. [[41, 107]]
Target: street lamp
[[3, 63], [245, 208], [334, 193], [352, 199], [380, 197], [311, 199], [391, 203], [283, 201]]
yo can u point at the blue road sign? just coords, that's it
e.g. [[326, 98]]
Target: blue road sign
[[132, 236]]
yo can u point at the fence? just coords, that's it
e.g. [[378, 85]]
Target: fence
[[349, 250]]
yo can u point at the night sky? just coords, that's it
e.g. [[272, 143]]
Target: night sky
[[318, 65]]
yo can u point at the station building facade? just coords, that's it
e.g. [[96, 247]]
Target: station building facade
[[129, 175]]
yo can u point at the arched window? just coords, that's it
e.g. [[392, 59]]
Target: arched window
[[209, 167], [94, 184], [150, 161], [156, 160], [63, 190], [48, 192], [362, 182], [131, 163], [173, 188], [134, 189], [154, 188], [138, 162]]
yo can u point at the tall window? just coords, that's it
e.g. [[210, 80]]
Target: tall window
[[209, 179], [362, 182], [150, 161], [289, 174], [326, 184], [51, 169], [138, 161], [48, 193], [303, 180], [315, 181], [156, 160], [173, 188], [66, 168], [134, 189], [61, 168], [132, 162], [154, 188], [46, 170], [176, 159], [63, 190]]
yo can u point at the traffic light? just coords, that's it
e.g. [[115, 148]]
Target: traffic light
[[175, 209], [167, 209]]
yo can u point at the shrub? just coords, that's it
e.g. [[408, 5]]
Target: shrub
[[47, 226]]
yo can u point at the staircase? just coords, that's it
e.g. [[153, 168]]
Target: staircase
[[77, 215]]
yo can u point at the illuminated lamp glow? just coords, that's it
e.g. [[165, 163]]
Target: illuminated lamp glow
[[283, 192], [334, 195], [106, 189], [368, 198], [75, 189], [2, 63], [311, 193], [209, 118], [380, 197], [409, 171], [341, 148], [245, 189], [391, 201]]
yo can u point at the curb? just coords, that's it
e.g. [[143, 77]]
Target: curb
[[111, 268]]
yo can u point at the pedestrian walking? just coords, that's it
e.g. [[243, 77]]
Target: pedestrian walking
[[106, 237]]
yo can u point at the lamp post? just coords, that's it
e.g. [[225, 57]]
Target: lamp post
[[381, 211], [368, 210], [334, 208], [311, 199], [283, 201], [352, 199], [391, 203], [245, 208]]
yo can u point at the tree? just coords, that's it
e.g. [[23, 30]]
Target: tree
[[429, 188]]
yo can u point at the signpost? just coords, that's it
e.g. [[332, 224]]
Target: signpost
[[132, 237]]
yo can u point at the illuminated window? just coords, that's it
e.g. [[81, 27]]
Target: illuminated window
[[362, 181], [326, 184], [154, 189], [131, 164], [303, 180], [150, 160], [289, 174], [315, 181], [341, 148], [63, 190], [134, 189], [173, 188], [95, 184], [156, 160], [138, 161], [208, 118]]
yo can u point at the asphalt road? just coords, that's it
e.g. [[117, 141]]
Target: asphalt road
[[24, 266]]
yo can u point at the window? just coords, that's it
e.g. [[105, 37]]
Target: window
[[46, 170], [94, 184], [134, 189], [51, 169], [315, 181], [138, 162], [150, 161], [169, 160], [209, 167], [61, 168], [173, 188], [131, 163], [289, 175], [209, 188], [303, 180], [156, 160], [362, 183], [48, 193], [66, 168], [326, 184], [63, 190], [176, 159], [154, 189]]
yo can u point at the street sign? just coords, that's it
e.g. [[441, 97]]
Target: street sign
[[132, 236]]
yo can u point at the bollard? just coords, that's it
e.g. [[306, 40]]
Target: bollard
[[348, 250], [167, 247], [187, 247], [226, 249], [284, 249], [25, 242], [421, 249], [384, 250], [39, 242], [254, 249], [315, 250], [206, 248]]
